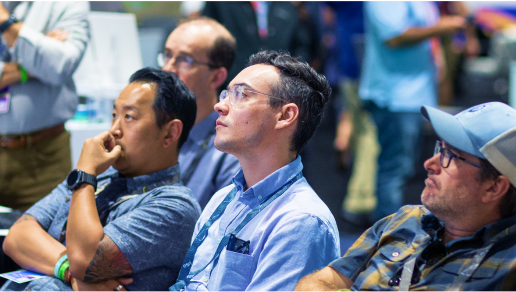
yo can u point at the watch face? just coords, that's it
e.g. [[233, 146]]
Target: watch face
[[72, 178]]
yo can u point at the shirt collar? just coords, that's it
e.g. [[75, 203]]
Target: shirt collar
[[267, 186], [495, 228], [199, 131], [138, 182]]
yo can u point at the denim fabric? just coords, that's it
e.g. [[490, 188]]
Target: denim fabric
[[292, 237], [215, 169], [153, 230], [383, 249], [399, 135]]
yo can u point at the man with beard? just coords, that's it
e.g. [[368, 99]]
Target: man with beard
[[464, 235]]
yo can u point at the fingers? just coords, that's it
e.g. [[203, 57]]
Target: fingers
[[125, 281], [115, 152], [58, 34]]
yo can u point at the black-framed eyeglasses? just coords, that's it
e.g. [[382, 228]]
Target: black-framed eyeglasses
[[447, 155], [182, 62], [238, 94]]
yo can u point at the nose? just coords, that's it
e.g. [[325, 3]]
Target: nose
[[433, 164], [115, 129], [222, 107]]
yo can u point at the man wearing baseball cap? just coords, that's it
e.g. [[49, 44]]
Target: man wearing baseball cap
[[463, 237]]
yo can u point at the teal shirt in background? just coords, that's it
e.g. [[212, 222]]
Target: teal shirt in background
[[402, 78]]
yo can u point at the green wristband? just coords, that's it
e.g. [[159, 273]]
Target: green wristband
[[62, 269], [24, 76]]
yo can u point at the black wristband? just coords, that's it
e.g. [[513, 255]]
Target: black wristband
[[6, 24]]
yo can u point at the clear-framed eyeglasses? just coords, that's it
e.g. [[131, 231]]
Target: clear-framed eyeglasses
[[240, 93], [181, 62], [447, 155]]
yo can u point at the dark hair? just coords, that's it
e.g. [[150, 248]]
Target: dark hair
[[508, 202], [222, 53], [173, 99], [299, 84]]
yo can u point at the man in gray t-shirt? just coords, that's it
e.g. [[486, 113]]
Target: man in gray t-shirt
[[130, 224]]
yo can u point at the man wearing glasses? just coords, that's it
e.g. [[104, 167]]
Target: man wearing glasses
[[464, 235], [269, 228], [201, 51]]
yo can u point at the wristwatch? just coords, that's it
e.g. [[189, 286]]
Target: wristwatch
[[78, 177], [5, 25]]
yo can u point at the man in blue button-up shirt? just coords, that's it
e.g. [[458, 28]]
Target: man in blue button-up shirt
[[200, 52], [267, 114], [136, 220]]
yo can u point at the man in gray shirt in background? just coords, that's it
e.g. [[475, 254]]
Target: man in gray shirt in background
[[42, 45]]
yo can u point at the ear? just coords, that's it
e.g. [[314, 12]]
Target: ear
[[172, 132], [288, 115], [218, 77], [496, 189]]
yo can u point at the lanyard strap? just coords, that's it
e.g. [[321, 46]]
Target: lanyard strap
[[184, 275], [200, 153]]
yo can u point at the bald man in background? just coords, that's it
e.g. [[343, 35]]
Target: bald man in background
[[201, 52]]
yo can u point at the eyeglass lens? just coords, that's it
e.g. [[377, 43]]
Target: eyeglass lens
[[446, 154]]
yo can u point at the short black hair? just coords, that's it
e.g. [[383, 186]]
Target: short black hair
[[299, 84], [173, 99]]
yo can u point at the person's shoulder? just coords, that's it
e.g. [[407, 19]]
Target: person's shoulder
[[301, 201]]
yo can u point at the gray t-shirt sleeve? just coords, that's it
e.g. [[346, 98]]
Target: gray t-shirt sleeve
[[157, 231]]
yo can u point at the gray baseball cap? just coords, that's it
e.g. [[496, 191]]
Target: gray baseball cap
[[487, 131]]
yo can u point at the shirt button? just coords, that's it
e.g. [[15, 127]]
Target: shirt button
[[218, 240], [67, 199], [259, 197], [205, 278], [395, 254]]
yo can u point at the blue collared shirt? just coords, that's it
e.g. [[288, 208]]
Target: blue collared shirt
[[215, 169], [151, 229], [292, 237], [402, 78]]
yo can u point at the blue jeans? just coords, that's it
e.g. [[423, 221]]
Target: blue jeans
[[399, 135]]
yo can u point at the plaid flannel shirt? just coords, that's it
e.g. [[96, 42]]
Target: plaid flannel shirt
[[379, 254]]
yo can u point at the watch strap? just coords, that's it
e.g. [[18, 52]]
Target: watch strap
[[89, 179], [6, 24]]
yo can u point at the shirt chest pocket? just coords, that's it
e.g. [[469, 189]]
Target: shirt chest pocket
[[396, 252], [233, 271]]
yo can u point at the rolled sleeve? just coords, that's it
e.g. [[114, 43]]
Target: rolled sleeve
[[50, 60], [153, 234]]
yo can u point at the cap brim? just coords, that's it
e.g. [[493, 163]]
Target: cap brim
[[449, 129]]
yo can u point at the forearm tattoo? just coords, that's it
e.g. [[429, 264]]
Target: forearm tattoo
[[109, 262]]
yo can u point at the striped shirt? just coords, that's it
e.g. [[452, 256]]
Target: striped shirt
[[378, 256]]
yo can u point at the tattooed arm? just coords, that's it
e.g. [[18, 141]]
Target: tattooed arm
[[31, 247], [93, 256]]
